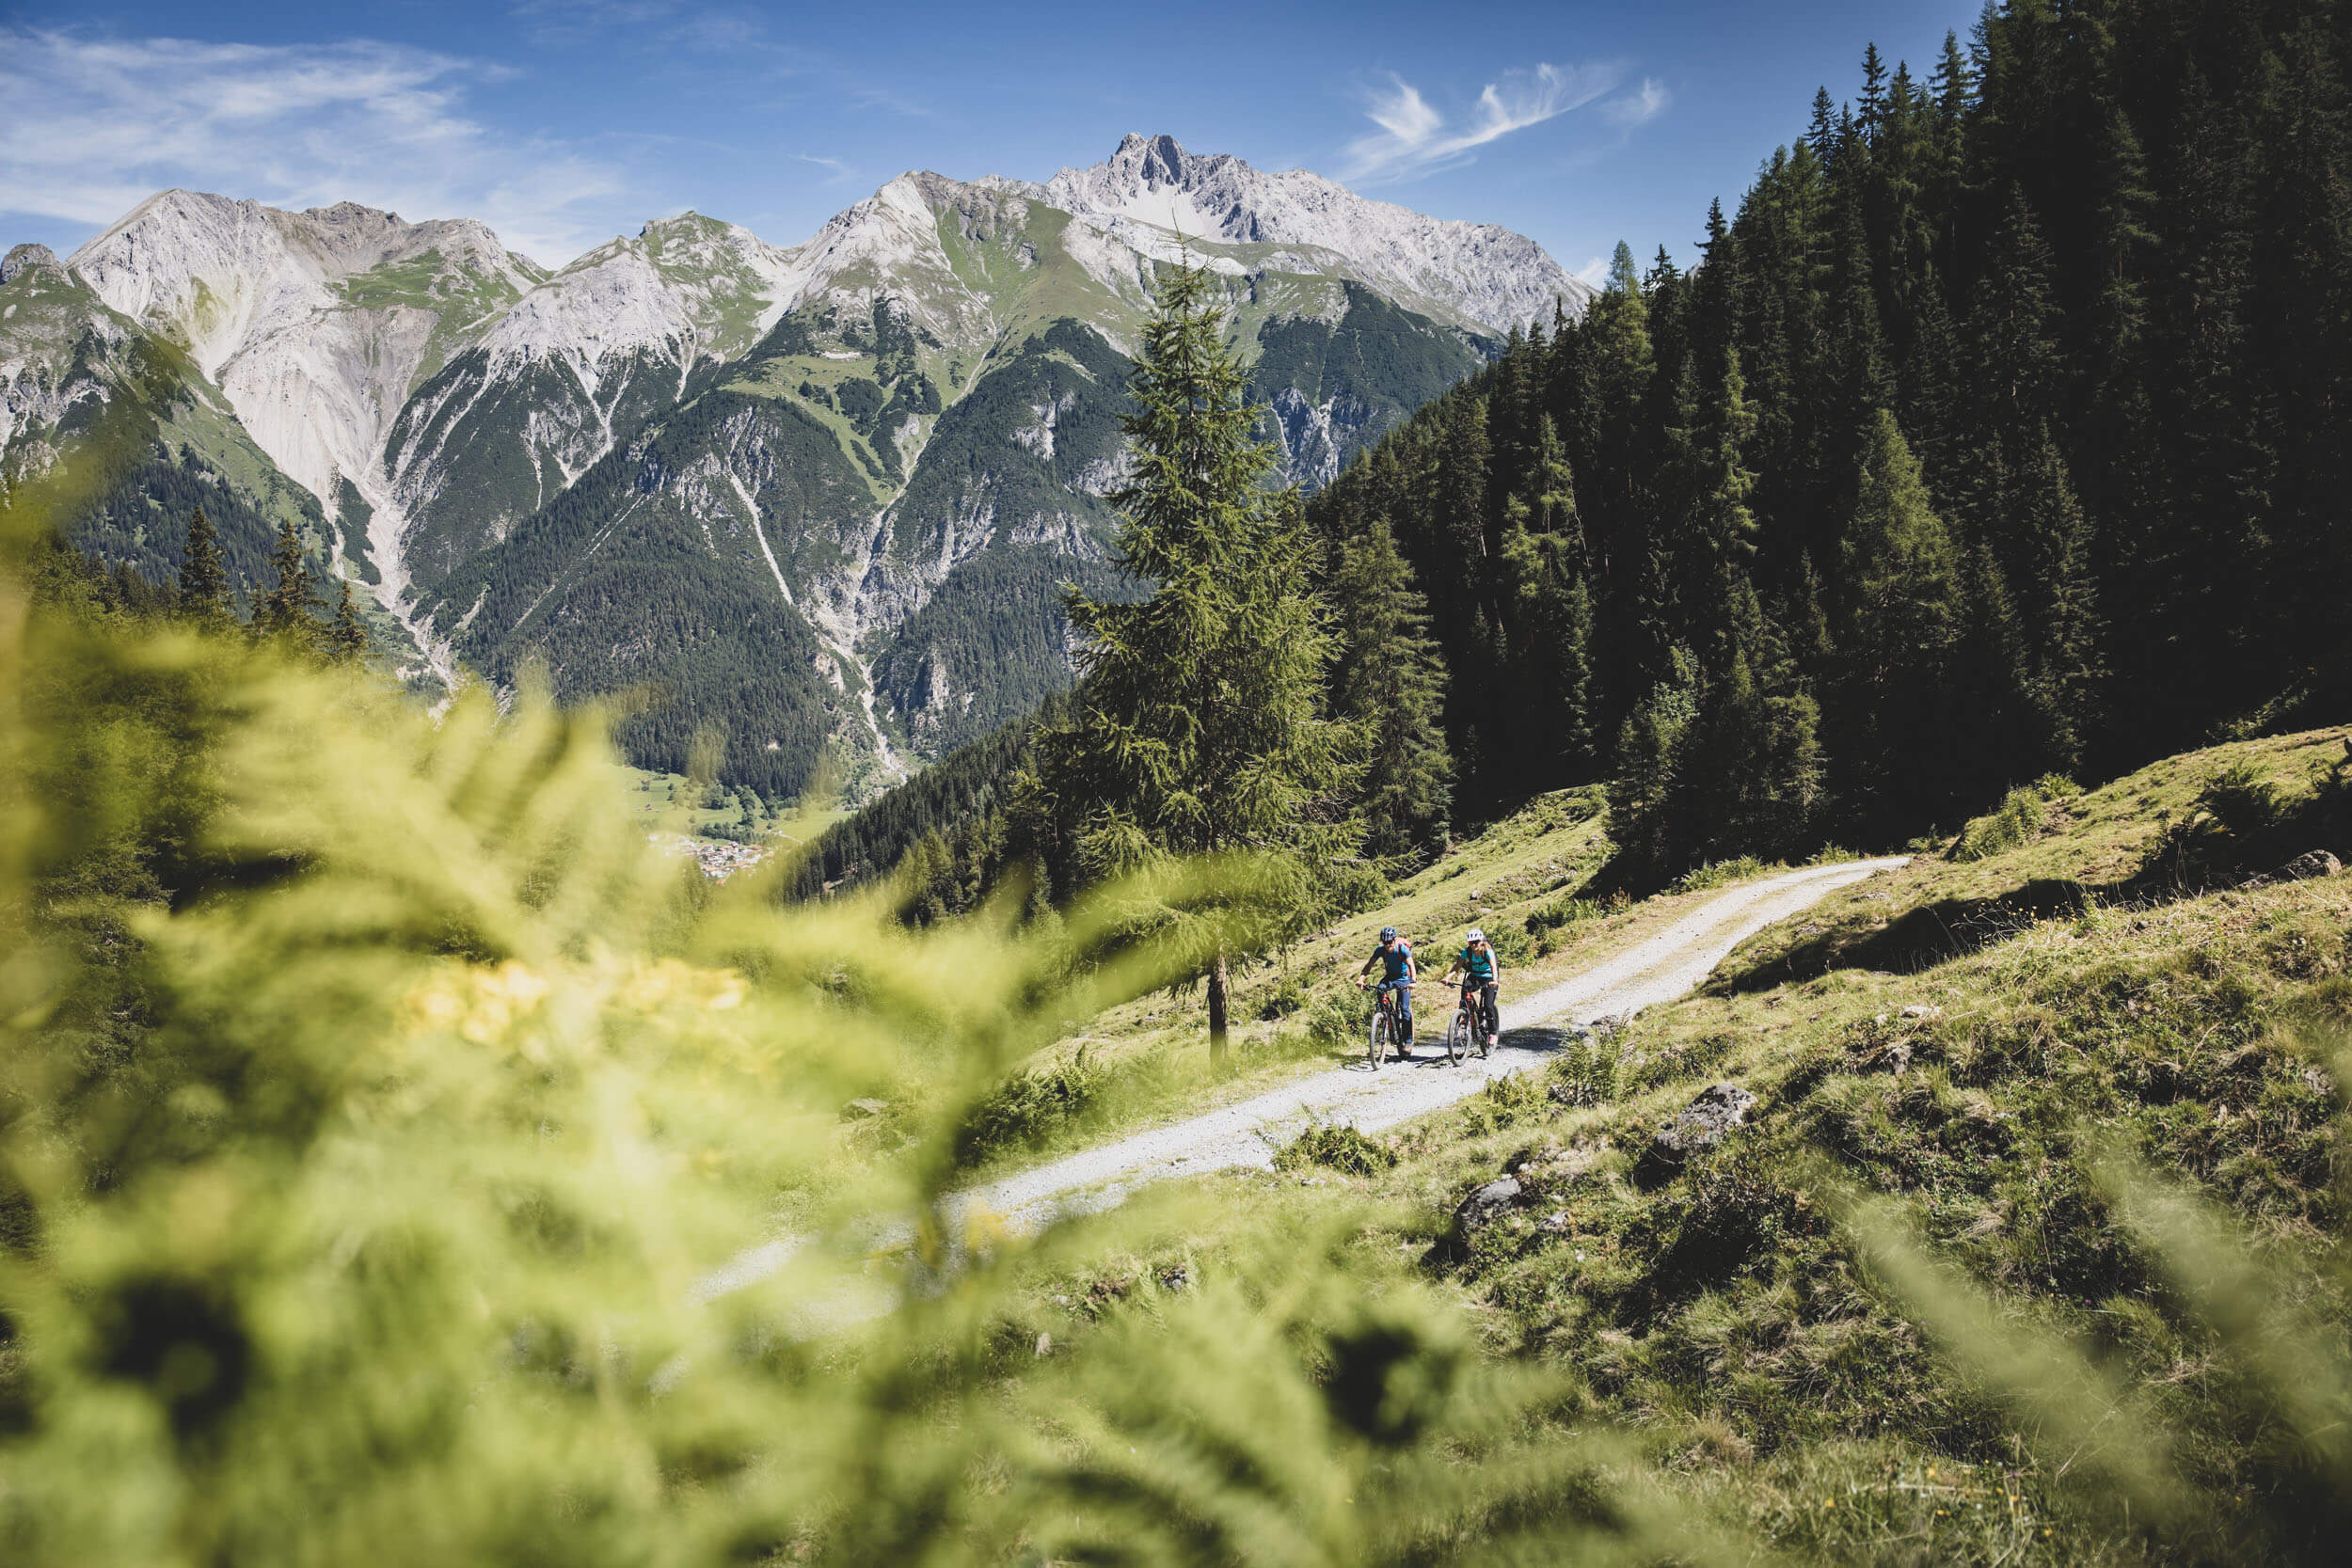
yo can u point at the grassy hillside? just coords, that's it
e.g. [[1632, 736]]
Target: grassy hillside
[[2018, 1050]]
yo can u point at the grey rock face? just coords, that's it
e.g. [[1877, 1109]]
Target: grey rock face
[[23, 259], [2314, 863]]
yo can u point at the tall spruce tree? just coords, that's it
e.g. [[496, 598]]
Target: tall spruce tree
[[1551, 683], [1544, 566], [1757, 782], [344, 638], [2062, 607], [1199, 728], [1904, 606], [203, 574], [1389, 684], [1652, 747], [288, 604]]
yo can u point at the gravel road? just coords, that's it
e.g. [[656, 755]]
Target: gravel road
[[1659, 968]]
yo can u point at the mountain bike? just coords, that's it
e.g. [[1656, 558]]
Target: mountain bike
[[1468, 1032], [1385, 1027]]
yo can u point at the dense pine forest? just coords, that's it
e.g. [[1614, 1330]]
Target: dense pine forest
[[1999, 432]]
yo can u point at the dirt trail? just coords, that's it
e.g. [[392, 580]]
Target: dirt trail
[[1657, 969]]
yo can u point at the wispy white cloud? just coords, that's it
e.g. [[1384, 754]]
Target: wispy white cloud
[[1640, 106], [558, 22], [836, 172], [103, 122], [1592, 273], [1416, 139]]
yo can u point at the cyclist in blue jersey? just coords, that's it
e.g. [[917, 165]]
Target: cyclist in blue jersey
[[1395, 957], [1480, 970]]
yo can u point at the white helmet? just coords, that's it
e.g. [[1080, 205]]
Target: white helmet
[[1477, 934]]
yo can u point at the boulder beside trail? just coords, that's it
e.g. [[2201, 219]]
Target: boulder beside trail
[[2309, 866], [1700, 1125], [1484, 1205]]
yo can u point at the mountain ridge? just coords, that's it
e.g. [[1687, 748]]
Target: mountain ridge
[[895, 436], [1156, 182]]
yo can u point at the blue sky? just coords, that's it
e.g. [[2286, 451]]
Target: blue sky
[[562, 122]]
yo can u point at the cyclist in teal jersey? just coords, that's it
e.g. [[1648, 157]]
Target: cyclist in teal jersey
[[1479, 969], [1395, 957]]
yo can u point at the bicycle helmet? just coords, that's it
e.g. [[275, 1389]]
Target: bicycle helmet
[[1387, 933], [1477, 934]]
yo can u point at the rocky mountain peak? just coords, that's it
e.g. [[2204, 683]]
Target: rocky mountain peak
[[1157, 159], [688, 223], [1473, 273], [23, 259]]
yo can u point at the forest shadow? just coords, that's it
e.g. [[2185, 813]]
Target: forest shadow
[[1948, 928], [2239, 834]]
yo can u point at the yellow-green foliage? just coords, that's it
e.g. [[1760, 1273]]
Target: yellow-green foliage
[[2020, 819], [375, 1109]]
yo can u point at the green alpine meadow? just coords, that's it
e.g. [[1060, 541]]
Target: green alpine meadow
[[1191, 864]]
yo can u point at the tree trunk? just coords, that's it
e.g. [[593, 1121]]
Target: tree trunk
[[1217, 1013]]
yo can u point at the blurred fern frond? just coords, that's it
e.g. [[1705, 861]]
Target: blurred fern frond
[[2215, 1412], [376, 1105]]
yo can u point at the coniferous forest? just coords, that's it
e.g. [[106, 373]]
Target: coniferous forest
[[2000, 432]]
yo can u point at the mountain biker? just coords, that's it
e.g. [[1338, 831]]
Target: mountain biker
[[1480, 970], [1395, 957]]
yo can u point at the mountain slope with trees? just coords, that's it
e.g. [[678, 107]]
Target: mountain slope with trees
[[1992, 439], [911, 415], [2002, 430]]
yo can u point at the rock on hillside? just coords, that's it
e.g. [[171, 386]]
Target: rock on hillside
[[73, 366], [316, 325]]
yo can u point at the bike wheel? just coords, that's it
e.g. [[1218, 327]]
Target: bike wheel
[[1378, 1048], [1456, 1036]]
